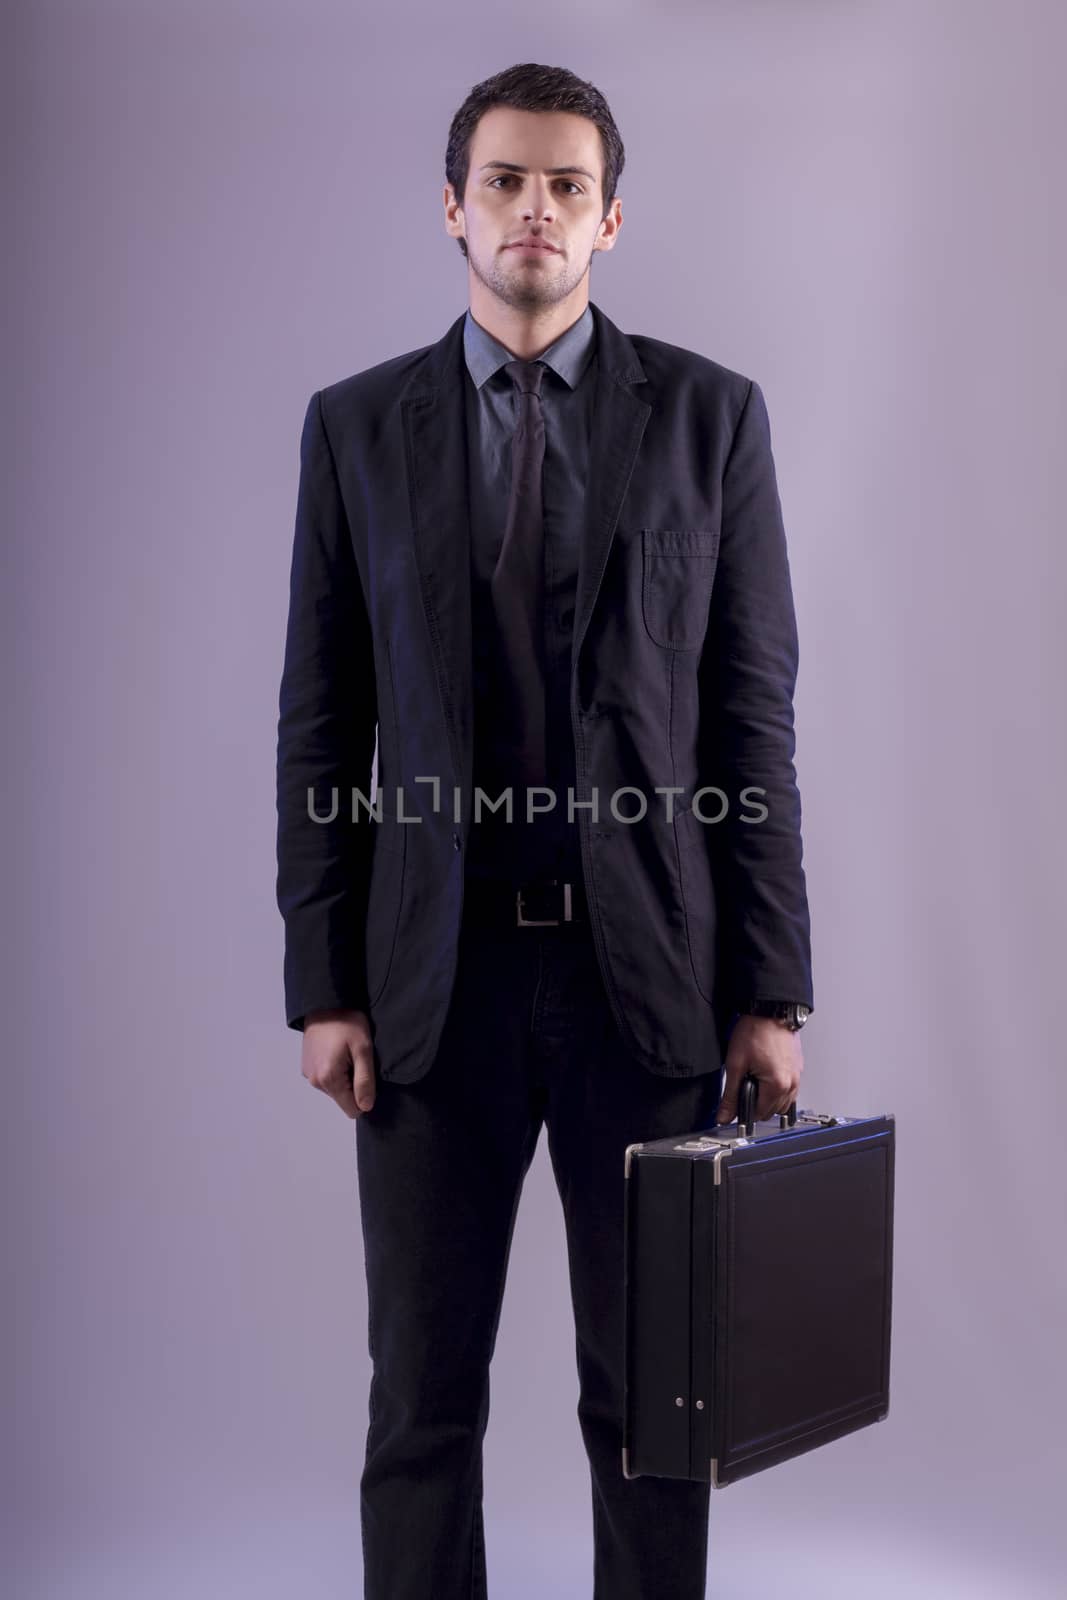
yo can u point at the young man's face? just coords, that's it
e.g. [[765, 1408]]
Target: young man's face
[[561, 208]]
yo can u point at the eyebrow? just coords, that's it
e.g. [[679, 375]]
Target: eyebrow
[[553, 172]]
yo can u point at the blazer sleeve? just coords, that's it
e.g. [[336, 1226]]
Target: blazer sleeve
[[748, 672], [327, 707]]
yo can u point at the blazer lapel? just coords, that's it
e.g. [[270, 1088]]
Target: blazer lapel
[[619, 420], [435, 427]]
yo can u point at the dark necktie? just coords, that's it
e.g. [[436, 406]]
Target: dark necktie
[[517, 588]]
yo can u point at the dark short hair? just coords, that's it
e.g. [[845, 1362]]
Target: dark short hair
[[531, 87]]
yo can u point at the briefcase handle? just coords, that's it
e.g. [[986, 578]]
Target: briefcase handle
[[746, 1107]]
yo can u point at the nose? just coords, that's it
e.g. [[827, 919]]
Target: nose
[[540, 205]]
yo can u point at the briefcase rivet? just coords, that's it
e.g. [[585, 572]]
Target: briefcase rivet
[[679, 1401]]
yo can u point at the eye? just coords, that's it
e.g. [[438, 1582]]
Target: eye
[[505, 177]]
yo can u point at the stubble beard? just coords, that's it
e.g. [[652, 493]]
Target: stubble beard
[[525, 290]]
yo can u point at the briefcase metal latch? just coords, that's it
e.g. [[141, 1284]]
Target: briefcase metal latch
[[707, 1142]]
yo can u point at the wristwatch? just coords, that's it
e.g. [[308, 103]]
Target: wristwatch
[[793, 1013]]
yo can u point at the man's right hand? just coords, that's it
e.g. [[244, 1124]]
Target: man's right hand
[[338, 1058]]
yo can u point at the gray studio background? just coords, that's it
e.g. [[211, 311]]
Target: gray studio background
[[213, 211]]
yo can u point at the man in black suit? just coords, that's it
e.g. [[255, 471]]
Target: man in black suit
[[539, 561]]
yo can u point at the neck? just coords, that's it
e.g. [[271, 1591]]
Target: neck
[[527, 334]]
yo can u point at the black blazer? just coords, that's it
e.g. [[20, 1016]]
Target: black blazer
[[683, 671]]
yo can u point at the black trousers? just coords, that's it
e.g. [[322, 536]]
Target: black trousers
[[529, 1038]]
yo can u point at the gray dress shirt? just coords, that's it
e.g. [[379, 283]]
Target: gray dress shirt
[[519, 853]]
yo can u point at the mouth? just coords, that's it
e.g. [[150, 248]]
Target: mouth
[[534, 247]]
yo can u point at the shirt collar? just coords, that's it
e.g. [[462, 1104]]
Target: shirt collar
[[568, 356]]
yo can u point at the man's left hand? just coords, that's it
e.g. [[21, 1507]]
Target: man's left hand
[[770, 1052]]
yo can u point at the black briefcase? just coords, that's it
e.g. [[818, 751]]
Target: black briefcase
[[758, 1280]]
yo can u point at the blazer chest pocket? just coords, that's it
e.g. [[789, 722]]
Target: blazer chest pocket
[[679, 570]]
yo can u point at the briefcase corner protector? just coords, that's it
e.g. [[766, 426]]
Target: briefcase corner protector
[[630, 1148]]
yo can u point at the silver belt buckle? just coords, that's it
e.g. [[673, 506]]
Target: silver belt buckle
[[543, 922]]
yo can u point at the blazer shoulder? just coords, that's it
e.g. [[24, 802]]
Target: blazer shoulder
[[376, 384], [669, 364], [683, 383]]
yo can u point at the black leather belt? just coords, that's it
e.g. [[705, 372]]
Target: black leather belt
[[548, 904]]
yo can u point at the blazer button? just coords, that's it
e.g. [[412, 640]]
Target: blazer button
[[455, 841]]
